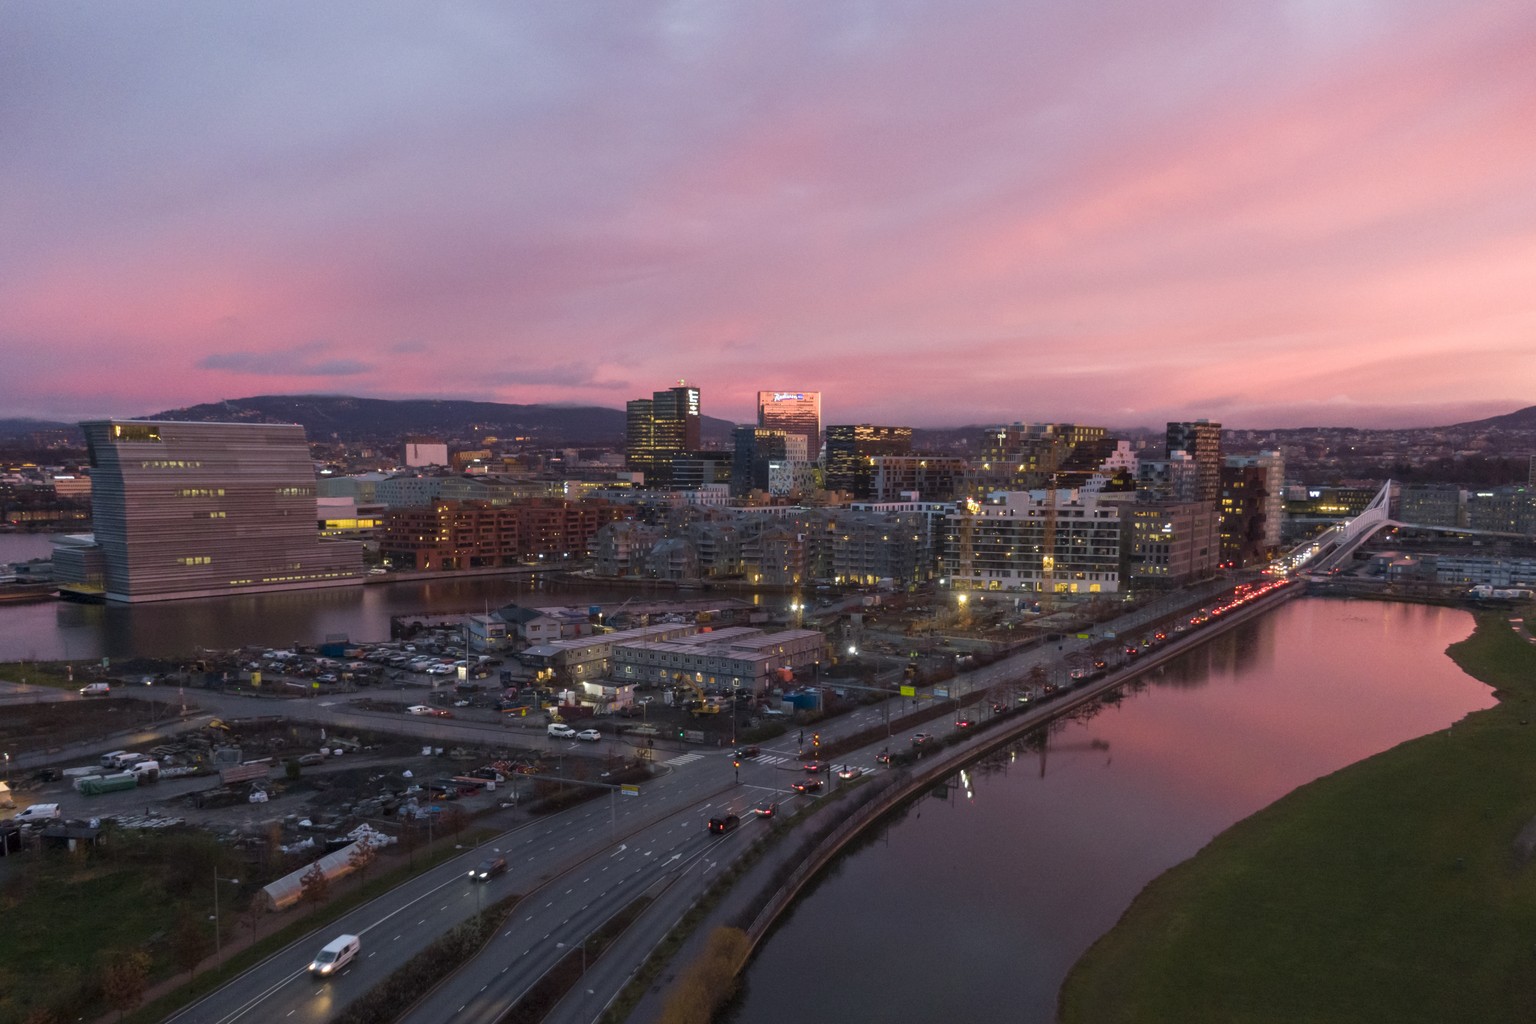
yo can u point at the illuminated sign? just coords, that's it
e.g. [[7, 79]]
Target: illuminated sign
[[789, 396]]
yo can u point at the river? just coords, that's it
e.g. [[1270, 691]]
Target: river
[[971, 905]]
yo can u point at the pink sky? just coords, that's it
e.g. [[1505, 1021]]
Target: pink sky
[[1268, 214]]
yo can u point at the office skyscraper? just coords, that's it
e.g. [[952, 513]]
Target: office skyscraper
[[660, 428], [794, 412], [208, 509]]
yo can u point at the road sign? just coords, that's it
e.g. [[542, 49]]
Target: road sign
[[909, 691], [937, 692], [630, 790]]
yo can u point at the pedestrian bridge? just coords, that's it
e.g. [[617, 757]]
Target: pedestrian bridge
[[1337, 545]]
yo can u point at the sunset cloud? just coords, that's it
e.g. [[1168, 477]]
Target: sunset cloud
[[1265, 212]]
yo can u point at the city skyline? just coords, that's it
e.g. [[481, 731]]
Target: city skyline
[[1268, 215]]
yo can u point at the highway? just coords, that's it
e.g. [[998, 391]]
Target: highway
[[399, 924]]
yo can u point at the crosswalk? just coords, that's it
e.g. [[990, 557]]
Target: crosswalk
[[763, 759], [775, 759]]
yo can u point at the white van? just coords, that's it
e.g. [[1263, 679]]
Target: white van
[[560, 731], [336, 955], [110, 760], [40, 812], [96, 690]]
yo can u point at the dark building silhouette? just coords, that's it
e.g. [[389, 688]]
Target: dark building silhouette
[[851, 449]]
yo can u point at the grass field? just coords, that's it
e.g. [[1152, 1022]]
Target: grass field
[[1387, 892], [63, 916]]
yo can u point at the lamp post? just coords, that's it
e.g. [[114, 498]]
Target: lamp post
[[218, 938]]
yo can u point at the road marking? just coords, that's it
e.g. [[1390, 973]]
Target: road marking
[[683, 759]]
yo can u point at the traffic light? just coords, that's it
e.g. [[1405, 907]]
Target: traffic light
[[737, 762], [815, 739]]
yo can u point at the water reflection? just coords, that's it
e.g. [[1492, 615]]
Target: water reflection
[[56, 630], [975, 908]]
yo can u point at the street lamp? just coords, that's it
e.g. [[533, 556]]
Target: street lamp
[[218, 939]]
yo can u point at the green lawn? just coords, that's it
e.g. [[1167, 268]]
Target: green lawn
[[62, 916], [1388, 891]]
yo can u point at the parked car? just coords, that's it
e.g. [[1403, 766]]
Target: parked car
[[590, 735], [488, 869]]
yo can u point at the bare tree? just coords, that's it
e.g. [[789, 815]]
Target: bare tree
[[255, 910], [314, 886], [454, 819], [362, 857]]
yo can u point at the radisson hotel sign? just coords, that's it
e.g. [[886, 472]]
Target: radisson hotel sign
[[789, 396]]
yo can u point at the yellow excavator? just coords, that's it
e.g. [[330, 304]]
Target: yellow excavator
[[699, 704]]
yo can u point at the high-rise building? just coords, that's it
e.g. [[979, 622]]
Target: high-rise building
[[753, 449], [207, 509], [1252, 506], [851, 449], [1202, 440], [660, 428], [794, 412]]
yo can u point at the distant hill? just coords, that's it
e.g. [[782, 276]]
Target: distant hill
[[21, 428], [341, 417], [1521, 420]]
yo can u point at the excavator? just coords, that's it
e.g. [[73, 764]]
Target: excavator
[[699, 704]]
